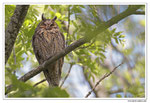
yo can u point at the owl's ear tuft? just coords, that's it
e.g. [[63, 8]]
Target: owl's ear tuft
[[43, 18], [54, 18]]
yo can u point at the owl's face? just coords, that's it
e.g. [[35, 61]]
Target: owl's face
[[48, 24]]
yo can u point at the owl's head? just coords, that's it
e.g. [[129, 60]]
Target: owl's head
[[48, 24]]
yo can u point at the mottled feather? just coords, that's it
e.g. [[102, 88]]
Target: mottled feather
[[47, 41]]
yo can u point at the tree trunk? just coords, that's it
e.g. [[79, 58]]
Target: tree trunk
[[13, 27]]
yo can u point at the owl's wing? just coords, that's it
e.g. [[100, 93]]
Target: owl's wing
[[45, 45], [36, 48], [63, 40]]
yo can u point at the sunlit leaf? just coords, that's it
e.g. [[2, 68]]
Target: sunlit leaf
[[55, 92]]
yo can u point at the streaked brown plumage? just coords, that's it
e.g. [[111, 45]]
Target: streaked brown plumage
[[47, 41]]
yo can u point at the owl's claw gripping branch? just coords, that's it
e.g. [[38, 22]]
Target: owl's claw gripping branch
[[76, 44]]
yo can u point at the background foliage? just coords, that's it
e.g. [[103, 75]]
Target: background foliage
[[124, 41]]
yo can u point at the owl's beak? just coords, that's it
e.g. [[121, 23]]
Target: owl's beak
[[48, 28]]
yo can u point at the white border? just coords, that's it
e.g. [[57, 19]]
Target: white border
[[80, 3], [75, 3]]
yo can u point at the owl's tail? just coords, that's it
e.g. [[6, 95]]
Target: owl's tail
[[53, 74]]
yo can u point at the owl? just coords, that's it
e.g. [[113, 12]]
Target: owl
[[48, 41]]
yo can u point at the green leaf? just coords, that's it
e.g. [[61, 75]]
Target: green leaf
[[118, 96], [118, 33], [58, 15], [18, 47], [74, 23], [113, 31], [116, 40], [121, 36], [19, 54], [102, 55], [55, 92]]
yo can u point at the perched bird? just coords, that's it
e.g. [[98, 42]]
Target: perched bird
[[48, 41]]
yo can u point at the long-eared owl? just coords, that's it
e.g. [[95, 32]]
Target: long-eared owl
[[48, 41]]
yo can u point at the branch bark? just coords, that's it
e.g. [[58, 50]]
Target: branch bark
[[76, 44], [62, 81], [39, 82], [13, 27], [89, 82], [139, 12]]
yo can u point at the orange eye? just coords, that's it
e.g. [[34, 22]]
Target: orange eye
[[42, 26], [52, 25]]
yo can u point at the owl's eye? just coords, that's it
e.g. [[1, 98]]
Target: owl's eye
[[44, 24], [52, 25]]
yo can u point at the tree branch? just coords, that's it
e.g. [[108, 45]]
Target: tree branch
[[87, 45], [13, 27], [89, 82], [76, 44], [62, 81], [139, 12], [39, 82], [105, 76]]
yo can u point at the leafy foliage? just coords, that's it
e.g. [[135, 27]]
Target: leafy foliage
[[54, 92], [26, 90]]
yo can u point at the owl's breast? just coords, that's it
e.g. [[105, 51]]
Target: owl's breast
[[52, 39], [51, 36]]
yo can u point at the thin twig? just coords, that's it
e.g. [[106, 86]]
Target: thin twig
[[105, 76], [89, 82], [39, 82], [66, 75], [68, 26]]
